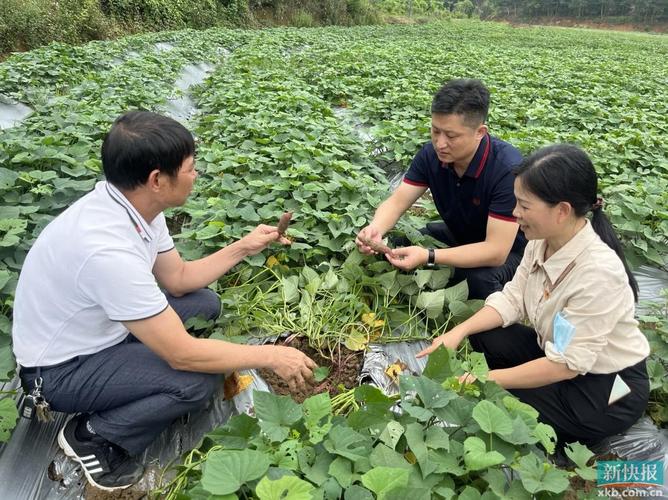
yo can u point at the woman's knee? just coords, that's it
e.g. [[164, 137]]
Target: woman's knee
[[507, 347], [487, 341]]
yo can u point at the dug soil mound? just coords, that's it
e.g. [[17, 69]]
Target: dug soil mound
[[344, 368]]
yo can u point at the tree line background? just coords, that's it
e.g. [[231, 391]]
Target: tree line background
[[641, 11], [27, 24]]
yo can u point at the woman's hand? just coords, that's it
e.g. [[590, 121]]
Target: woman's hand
[[451, 340]]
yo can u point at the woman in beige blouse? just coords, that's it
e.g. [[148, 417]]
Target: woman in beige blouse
[[562, 332]]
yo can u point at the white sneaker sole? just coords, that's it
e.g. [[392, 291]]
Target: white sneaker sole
[[67, 449]]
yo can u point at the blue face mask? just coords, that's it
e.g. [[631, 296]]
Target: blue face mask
[[562, 332]]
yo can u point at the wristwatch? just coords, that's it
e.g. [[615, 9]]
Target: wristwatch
[[431, 259]]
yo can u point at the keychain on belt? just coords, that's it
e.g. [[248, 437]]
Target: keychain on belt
[[35, 403]]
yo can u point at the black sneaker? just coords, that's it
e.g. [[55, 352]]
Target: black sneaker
[[106, 465]]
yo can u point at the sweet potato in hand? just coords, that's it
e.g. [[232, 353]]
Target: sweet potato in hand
[[377, 246], [283, 223]]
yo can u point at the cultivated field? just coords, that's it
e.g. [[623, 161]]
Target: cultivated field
[[317, 121]]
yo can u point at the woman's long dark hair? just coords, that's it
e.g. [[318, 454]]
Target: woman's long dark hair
[[564, 172]]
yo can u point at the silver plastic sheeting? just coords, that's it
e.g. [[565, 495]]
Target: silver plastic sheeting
[[32, 466], [12, 113], [182, 108], [362, 130], [243, 402], [395, 180], [163, 47], [25, 458], [650, 282], [193, 74], [381, 356]]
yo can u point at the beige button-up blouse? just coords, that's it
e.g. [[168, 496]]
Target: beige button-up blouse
[[584, 280]]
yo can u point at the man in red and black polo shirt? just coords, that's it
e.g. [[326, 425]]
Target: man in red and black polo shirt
[[470, 176]]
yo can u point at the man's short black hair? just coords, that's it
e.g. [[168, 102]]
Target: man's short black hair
[[469, 98], [140, 142]]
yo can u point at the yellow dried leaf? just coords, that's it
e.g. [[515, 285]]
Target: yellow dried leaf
[[395, 369], [244, 382], [356, 341], [369, 318], [410, 457], [379, 323], [271, 261], [235, 383]]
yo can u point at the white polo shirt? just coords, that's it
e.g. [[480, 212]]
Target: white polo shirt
[[89, 269]]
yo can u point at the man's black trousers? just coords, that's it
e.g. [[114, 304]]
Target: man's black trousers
[[131, 393], [482, 281]]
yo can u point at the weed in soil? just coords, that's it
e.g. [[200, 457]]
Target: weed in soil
[[344, 370]]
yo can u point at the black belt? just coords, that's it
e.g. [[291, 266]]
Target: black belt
[[29, 370]]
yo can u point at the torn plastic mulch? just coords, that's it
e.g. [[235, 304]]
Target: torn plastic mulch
[[28, 469], [32, 466], [382, 356]]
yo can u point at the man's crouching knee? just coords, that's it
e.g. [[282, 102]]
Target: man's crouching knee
[[200, 389]]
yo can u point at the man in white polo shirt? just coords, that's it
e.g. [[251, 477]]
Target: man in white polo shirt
[[97, 273]]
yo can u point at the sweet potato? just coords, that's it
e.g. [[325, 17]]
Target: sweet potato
[[377, 246], [283, 223]]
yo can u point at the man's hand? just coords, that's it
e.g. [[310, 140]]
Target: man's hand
[[369, 233], [408, 258], [292, 365], [451, 340], [260, 237]]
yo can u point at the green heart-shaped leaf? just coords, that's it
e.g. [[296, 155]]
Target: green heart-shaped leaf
[[226, 471]]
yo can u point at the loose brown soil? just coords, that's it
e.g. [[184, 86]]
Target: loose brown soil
[[577, 484], [131, 493], [148, 482], [344, 369]]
